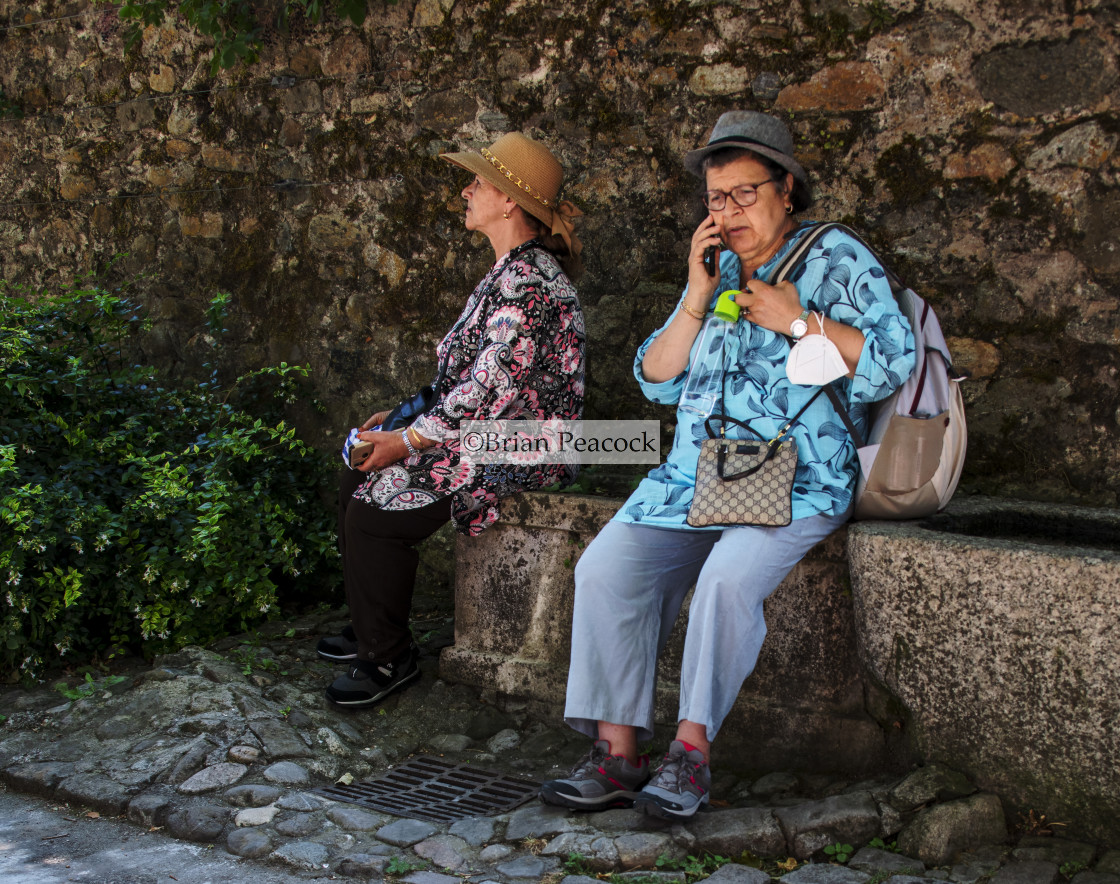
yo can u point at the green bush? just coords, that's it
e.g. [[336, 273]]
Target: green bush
[[136, 514]]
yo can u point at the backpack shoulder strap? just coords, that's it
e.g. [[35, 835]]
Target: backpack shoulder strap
[[798, 252]]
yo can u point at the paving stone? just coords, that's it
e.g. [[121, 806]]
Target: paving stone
[[730, 832], [244, 754], [1095, 878], [362, 865], [1028, 872], [150, 809], [249, 843], [598, 850], [620, 819], [933, 782], [538, 821], [354, 819], [495, 853], [300, 802], [202, 823], [532, 867], [449, 742], [969, 869], [476, 830], [251, 795], [848, 819], [1109, 863], [94, 790], [1054, 850], [641, 849], [405, 832], [217, 776], [443, 851], [302, 855], [937, 834], [299, 825], [255, 816], [873, 860], [280, 740], [504, 741], [430, 878], [774, 784], [287, 773], [332, 742], [824, 873], [38, 777], [733, 873], [191, 760]]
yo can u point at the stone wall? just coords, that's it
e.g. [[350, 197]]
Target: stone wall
[[974, 140]]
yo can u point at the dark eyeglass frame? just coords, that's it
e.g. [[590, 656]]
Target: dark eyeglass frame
[[744, 196]]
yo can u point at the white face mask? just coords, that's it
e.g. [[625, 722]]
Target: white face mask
[[814, 360]]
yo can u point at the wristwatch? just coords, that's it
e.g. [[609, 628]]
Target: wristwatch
[[799, 326]]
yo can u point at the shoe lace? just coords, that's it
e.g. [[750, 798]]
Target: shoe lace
[[675, 770], [589, 764]]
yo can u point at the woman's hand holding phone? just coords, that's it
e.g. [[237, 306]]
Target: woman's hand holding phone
[[703, 264]]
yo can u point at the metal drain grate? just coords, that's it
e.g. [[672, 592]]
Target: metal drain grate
[[429, 788]]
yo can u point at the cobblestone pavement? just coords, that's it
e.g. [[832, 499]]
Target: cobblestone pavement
[[226, 747]]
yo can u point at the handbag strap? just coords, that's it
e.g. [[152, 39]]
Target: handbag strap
[[785, 266]]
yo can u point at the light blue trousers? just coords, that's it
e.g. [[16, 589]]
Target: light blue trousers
[[630, 584]]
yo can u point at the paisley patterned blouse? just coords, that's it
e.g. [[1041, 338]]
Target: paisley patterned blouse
[[516, 351], [740, 370]]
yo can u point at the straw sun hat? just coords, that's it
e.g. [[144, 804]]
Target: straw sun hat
[[528, 173]]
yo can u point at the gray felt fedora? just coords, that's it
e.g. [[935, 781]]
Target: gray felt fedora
[[761, 133]]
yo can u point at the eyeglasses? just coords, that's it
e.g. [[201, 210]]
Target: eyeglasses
[[745, 196]]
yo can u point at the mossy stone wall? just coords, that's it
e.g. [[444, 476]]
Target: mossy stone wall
[[973, 140]]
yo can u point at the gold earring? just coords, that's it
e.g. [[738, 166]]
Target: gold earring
[[789, 209], [505, 215]]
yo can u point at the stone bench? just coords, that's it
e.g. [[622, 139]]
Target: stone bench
[[983, 638], [804, 707]]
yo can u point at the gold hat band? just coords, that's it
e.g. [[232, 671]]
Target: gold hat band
[[497, 164]]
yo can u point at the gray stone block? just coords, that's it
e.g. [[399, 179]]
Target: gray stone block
[[476, 831], [249, 843], [307, 855], [733, 873], [202, 823], [825, 873], [1029, 872], [730, 832], [809, 827], [287, 773], [873, 860], [405, 833], [251, 795], [938, 833], [443, 851]]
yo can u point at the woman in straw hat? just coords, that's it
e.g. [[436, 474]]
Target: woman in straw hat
[[632, 580], [516, 351]]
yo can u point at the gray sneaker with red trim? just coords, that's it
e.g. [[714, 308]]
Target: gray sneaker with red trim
[[598, 781], [679, 786]]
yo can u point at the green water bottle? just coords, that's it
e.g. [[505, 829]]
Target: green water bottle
[[726, 308]]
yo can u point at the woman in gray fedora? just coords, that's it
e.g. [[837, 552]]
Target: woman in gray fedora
[[633, 578]]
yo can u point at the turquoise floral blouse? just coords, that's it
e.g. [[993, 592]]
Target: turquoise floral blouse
[[746, 364]]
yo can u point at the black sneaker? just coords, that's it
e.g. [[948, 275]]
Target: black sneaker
[[366, 682], [339, 648]]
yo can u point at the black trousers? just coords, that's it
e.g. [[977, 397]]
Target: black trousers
[[379, 561]]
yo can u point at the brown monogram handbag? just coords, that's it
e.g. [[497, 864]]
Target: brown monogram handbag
[[745, 481]]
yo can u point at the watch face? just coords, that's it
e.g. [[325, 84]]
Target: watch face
[[798, 328]]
